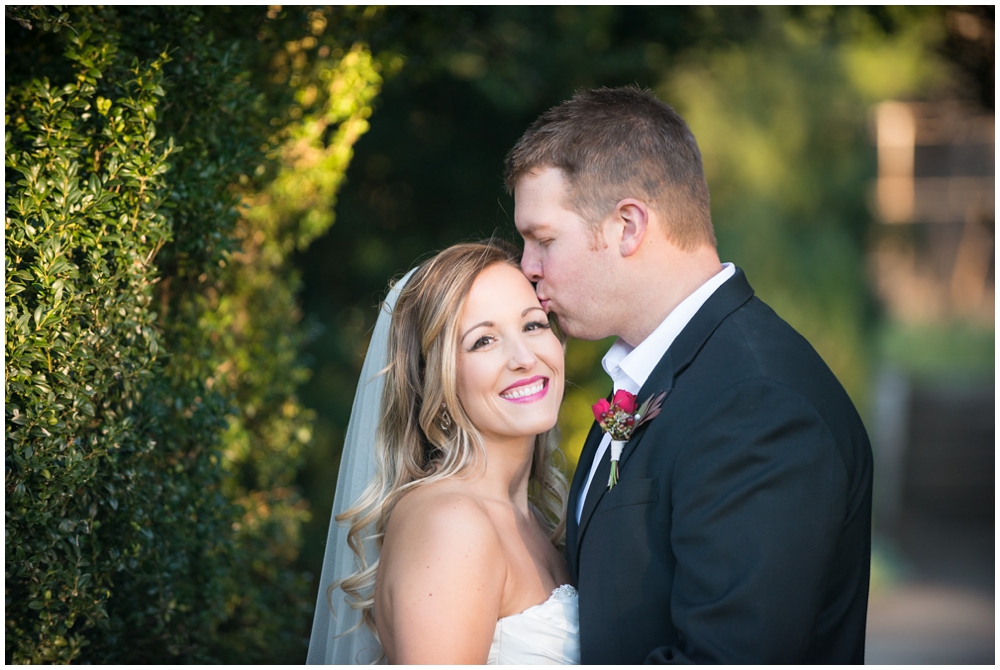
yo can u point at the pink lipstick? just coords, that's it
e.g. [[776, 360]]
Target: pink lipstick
[[526, 390]]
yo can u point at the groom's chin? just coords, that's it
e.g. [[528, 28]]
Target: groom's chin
[[566, 328]]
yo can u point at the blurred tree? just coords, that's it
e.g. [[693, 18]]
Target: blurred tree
[[782, 125], [971, 44]]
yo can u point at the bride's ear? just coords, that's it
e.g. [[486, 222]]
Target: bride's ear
[[633, 217]]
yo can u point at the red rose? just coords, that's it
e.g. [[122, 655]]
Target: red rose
[[626, 401], [619, 418], [600, 407]]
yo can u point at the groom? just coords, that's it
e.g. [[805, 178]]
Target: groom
[[739, 529]]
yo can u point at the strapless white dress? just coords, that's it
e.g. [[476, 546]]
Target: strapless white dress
[[543, 634]]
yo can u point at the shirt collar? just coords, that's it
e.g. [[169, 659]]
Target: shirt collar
[[629, 367]]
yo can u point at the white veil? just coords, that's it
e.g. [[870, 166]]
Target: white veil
[[341, 638]]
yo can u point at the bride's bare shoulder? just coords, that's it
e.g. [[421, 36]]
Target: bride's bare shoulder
[[442, 577], [443, 509]]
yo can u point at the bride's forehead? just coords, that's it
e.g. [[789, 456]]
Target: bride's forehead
[[499, 287], [502, 278]]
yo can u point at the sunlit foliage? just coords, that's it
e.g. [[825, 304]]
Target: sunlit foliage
[[162, 166]]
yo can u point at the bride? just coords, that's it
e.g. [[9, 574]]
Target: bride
[[453, 539]]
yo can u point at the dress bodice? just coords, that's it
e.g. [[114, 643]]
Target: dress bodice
[[548, 633]]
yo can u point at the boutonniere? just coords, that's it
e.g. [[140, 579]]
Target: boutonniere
[[619, 418]]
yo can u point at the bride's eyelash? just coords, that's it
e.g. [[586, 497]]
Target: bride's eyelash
[[480, 342], [487, 339]]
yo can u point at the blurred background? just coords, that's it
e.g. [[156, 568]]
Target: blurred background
[[270, 170], [850, 157]]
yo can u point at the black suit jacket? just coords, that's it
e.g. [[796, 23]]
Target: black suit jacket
[[740, 529]]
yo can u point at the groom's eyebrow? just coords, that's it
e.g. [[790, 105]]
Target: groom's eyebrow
[[531, 229]]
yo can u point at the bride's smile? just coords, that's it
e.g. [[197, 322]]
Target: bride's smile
[[528, 390]]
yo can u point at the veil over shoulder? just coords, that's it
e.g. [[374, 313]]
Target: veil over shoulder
[[338, 634]]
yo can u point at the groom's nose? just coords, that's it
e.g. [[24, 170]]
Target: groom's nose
[[531, 266]]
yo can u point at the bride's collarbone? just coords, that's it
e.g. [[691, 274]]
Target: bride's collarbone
[[535, 567]]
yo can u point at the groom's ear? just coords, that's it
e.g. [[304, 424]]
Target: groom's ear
[[633, 217]]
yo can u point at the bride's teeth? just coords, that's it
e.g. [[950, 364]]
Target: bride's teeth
[[524, 391]]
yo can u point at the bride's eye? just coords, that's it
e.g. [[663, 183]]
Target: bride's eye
[[536, 325], [481, 342]]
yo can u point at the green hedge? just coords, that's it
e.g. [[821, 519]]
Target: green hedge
[[152, 347]]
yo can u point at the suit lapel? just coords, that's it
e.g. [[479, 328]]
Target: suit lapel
[[729, 297], [579, 480], [599, 486], [662, 383]]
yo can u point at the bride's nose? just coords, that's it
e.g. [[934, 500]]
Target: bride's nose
[[521, 356]]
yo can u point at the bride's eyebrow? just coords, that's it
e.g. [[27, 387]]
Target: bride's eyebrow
[[488, 324]]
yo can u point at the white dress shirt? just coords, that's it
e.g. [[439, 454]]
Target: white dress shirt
[[629, 367]]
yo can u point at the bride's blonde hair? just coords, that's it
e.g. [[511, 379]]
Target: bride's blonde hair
[[424, 434]]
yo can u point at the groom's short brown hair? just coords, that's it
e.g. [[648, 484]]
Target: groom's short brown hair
[[615, 143]]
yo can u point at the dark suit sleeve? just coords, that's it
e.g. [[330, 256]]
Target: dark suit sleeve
[[758, 498]]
